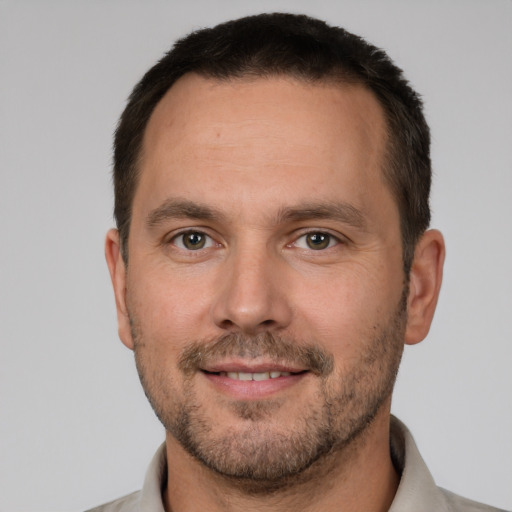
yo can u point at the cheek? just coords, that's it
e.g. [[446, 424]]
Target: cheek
[[343, 293], [342, 309], [169, 309]]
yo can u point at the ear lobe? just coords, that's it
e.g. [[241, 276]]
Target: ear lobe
[[117, 269], [424, 285]]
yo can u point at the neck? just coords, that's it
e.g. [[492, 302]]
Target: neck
[[358, 477]]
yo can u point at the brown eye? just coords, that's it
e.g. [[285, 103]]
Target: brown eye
[[318, 241], [192, 241]]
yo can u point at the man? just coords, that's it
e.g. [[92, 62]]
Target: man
[[272, 256]]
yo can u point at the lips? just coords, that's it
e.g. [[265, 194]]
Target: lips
[[239, 370], [250, 382], [258, 376]]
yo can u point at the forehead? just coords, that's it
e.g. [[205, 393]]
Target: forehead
[[253, 136]]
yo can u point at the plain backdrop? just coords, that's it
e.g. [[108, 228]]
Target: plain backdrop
[[75, 428]]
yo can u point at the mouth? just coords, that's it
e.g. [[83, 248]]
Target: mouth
[[256, 383], [256, 376]]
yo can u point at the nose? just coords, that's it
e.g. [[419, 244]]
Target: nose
[[252, 294]]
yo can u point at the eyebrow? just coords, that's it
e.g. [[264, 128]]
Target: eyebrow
[[341, 212], [181, 209], [176, 208]]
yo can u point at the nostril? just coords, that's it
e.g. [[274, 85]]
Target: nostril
[[230, 325], [226, 324]]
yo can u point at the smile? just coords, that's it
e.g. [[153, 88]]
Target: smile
[[259, 376], [258, 384]]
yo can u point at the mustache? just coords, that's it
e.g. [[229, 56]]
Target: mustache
[[200, 354]]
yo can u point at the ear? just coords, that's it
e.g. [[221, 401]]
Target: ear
[[117, 269], [424, 285]]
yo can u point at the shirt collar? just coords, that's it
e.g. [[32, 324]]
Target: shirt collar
[[417, 490], [154, 483]]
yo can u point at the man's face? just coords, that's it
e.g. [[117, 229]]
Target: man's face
[[264, 290]]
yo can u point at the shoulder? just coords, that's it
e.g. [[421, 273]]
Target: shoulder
[[127, 503], [458, 503], [417, 489]]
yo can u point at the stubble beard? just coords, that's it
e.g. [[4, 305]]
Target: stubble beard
[[261, 457]]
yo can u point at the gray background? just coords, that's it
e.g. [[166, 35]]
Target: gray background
[[75, 429]]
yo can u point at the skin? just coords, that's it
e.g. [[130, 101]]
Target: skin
[[253, 166]]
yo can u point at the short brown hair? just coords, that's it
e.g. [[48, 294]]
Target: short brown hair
[[305, 48]]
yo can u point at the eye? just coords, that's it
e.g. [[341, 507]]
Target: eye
[[316, 240], [192, 241]]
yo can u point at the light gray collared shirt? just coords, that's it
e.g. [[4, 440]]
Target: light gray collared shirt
[[417, 491]]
